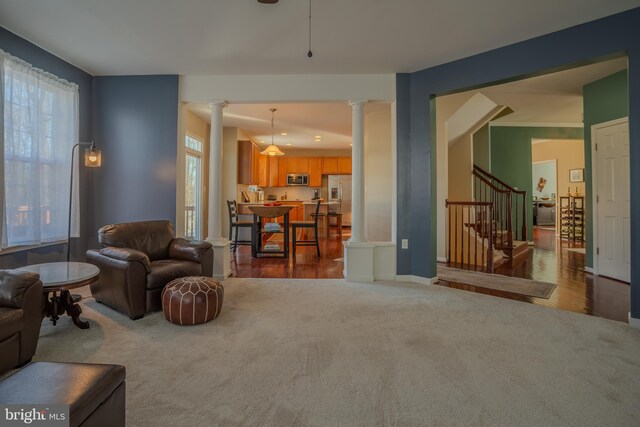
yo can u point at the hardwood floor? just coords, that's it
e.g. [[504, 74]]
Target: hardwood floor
[[305, 266], [552, 260]]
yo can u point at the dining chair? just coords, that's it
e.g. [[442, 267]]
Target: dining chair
[[237, 224], [308, 225]]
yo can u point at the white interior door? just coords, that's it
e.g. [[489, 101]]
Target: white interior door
[[613, 222]]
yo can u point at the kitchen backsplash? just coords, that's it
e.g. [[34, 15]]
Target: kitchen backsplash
[[293, 193]]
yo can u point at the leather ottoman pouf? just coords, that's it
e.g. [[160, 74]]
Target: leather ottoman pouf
[[192, 300]]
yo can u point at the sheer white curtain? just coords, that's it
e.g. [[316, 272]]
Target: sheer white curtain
[[40, 127]]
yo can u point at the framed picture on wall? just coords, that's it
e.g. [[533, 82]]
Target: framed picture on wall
[[576, 175]]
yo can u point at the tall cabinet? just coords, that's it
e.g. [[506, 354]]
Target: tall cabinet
[[572, 218]]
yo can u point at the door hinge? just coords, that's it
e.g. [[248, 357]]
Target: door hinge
[[597, 199], [596, 147], [597, 251]]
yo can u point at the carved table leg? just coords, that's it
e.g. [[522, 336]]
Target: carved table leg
[[72, 309]]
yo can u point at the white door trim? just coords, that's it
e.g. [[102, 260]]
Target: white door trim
[[594, 185]]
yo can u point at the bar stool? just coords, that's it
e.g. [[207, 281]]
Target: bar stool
[[306, 224], [235, 223]]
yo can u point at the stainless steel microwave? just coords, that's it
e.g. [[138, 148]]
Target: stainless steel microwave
[[298, 179]]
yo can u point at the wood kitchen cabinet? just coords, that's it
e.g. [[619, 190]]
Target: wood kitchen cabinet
[[315, 171], [344, 165], [245, 162], [263, 170], [273, 171], [329, 165], [253, 167], [283, 163]]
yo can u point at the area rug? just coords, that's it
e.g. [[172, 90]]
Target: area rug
[[515, 285], [288, 352]]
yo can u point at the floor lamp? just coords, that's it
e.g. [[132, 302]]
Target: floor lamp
[[92, 159]]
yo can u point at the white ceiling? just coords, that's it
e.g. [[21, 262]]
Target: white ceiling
[[302, 122], [552, 98], [119, 37]]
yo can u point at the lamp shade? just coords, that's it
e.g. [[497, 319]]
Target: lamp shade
[[272, 150], [92, 157]]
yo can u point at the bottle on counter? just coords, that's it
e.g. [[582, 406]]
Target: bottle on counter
[[285, 195]]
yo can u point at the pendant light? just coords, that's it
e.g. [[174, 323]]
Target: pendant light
[[273, 149]]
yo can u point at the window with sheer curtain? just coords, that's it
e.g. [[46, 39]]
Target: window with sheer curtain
[[40, 127]]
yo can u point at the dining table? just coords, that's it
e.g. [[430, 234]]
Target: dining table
[[261, 234]]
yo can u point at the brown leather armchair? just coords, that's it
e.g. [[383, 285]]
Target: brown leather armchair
[[20, 317], [138, 259]]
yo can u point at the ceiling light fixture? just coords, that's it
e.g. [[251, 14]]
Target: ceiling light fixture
[[284, 134], [272, 150]]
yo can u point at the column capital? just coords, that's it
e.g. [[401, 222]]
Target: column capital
[[218, 103], [358, 102]]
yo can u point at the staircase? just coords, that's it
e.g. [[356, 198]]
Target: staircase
[[489, 229], [510, 213]]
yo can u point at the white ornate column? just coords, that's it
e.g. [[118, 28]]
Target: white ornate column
[[221, 246], [358, 253]]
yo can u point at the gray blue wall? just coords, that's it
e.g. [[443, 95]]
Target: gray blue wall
[[133, 119], [601, 39], [40, 58], [136, 125]]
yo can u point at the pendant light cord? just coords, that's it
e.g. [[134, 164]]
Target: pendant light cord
[[309, 53]]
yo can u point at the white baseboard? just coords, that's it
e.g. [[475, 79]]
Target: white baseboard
[[416, 279], [441, 259], [634, 323], [588, 270]]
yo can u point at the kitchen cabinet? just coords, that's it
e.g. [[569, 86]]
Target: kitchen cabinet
[[329, 165], [303, 165], [344, 165], [253, 167], [282, 171], [273, 171], [263, 170], [315, 171], [245, 162]]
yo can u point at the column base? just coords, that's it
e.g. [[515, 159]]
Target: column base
[[221, 258], [358, 262]]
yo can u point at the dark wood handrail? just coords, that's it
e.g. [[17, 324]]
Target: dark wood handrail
[[449, 202], [488, 178], [489, 183], [498, 180]]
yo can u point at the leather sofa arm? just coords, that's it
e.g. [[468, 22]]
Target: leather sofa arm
[[15, 287], [188, 250], [127, 254]]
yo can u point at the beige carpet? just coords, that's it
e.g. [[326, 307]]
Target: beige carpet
[[516, 285], [326, 352]]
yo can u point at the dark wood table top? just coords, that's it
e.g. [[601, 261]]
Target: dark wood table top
[[62, 276]]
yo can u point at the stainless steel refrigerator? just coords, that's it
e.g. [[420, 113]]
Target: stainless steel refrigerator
[[339, 190]]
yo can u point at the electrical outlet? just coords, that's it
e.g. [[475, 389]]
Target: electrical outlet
[[405, 243]]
